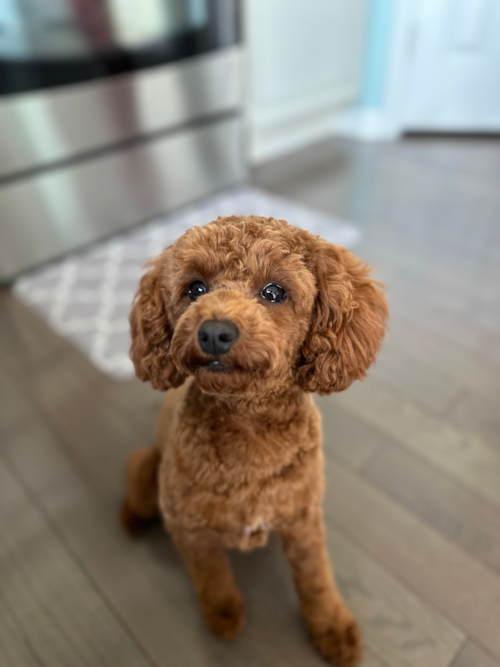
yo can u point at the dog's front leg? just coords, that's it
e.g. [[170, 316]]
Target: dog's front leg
[[331, 626], [221, 601]]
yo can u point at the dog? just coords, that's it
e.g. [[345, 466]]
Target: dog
[[241, 321]]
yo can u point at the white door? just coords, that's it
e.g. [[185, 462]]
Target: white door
[[455, 78]]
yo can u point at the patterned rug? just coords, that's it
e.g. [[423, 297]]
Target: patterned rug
[[86, 296]]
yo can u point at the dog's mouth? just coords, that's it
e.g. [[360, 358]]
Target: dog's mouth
[[214, 366], [221, 376], [224, 374], [223, 365]]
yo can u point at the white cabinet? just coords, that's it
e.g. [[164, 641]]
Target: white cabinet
[[304, 60]]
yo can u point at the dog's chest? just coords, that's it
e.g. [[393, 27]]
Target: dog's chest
[[242, 482], [247, 522], [254, 534], [242, 505]]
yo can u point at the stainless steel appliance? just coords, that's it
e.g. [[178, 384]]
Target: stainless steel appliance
[[111, 112]]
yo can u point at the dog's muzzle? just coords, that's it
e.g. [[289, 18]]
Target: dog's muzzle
[[216, 337]]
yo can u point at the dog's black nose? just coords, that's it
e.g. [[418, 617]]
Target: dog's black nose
[[216, 337]]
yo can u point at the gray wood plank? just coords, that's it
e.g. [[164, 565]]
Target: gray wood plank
[[466, 456], [476, 157], [64, 619], [462, 516], [440, 572], [100, 420], [396, 624], [371, 660], [452, 285], [347, 436], [97, 434], [30, 349], [15, 649], [456, 324], [479, 414], [416, 329], [473, 656], [418, 379], [461, 366]]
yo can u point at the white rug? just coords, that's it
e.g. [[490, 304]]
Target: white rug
[[86, 296]]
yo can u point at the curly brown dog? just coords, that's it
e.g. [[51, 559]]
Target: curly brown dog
[[241, 321]]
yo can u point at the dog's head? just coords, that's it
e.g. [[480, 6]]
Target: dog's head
[[247, 304]]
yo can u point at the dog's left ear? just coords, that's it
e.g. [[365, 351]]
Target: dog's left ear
[[347, 324]]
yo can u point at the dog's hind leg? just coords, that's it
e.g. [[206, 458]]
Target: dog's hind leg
[[330, 624], [140, 506], [212, 577]]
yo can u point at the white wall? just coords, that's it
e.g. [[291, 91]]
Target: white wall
[[304, 62]]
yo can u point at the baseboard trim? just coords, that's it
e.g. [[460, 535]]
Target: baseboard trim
[[366, 125], [275, 140]]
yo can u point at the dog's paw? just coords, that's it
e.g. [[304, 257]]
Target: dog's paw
[[226, 617], [340, 643], [134, 525]]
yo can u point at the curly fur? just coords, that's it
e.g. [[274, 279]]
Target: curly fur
[[238, 453]]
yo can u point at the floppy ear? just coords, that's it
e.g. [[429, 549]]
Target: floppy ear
[[152, 332], [347, 324]]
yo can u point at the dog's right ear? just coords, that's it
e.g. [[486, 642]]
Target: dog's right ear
[[152, 331]]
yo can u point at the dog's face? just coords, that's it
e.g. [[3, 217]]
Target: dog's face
[[249, 304]]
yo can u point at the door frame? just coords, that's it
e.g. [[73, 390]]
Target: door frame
[[400, 63], [387, 121]]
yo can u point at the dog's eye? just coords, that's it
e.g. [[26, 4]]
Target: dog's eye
[[196, 289], [273, 293]]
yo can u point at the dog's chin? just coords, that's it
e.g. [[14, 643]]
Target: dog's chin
[[216, 377], [221, 376]]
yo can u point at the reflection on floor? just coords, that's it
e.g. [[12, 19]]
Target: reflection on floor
[[412, 454]]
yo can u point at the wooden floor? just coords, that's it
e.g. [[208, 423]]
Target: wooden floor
[[413, 454]]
